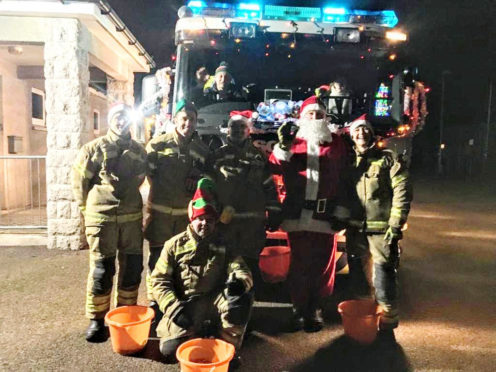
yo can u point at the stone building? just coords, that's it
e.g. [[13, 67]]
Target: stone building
[[61, 64]]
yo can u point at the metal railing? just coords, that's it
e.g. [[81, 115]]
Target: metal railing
[[23, 192]]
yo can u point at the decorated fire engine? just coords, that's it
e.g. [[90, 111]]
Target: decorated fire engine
[[272, 57]]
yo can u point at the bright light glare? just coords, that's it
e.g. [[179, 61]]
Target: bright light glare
[[196, 4], [396, 36], [334, 11], [244, 6]]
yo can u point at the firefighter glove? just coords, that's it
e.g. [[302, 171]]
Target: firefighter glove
[[235, 287], [286, 134], [393, 233], [182, 319]]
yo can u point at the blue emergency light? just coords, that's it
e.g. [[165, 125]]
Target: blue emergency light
[[291, 13], [248, 11]]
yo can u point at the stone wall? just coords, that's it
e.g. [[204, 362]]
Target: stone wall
[[67, 108]]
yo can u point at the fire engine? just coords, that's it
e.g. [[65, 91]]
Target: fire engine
[[279, 55]]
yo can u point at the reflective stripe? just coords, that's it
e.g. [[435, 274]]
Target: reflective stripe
[[168, 210], [169, 297], [83, 171], [188, 247], [162, 266], [100, 217], [276, 208], [169, 151], [396, 212], [377, 224], [398, 179], [249, 215], [377, 162], [123, 294], [97, 304], [268, 181]]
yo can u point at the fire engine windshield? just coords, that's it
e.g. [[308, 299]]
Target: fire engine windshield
[[255, 71]]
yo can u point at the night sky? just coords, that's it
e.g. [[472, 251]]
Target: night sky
[[453, 35]]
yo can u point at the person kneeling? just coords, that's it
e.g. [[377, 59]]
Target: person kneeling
[[202, 289]]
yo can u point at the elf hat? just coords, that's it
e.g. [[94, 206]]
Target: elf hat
[[204, 200], [182, 104], [312, 103], [361, 121]]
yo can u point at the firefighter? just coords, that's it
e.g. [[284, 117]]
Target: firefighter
[[379, 202], [311, 161], [221, 87], [176, 162], [246, 190], [106, 179], [202, 288]]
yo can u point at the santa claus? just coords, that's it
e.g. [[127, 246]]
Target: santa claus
[[310, 159]]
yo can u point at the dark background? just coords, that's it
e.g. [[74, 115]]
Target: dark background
[[444, 35]]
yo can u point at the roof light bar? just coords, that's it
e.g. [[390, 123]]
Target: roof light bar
[[248, 11]]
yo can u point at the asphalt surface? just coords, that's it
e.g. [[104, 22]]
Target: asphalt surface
[[448, 304]]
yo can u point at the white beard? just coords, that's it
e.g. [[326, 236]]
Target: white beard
[[314, 130]]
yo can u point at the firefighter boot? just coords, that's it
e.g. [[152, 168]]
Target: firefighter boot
[[297, 322], [96, 331], [313, 320]]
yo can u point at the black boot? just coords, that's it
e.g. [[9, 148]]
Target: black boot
[[313, 321], [297, 322], [235, 363], [96, 331]]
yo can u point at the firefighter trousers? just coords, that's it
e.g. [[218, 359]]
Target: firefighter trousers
[[373, 266], [227, 316], [106, 241]]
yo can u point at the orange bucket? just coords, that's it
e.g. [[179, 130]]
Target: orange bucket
[[205, 355], [274, 263], [129, 328], [360, 319]]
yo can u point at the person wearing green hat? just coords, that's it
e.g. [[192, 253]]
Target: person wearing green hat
[[198, 281], [176, 161], [221, 88]]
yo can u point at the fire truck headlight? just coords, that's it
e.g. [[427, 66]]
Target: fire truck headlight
[[240, 30], [347, 35], [396, 35]]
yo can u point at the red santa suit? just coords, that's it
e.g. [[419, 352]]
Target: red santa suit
[[311, 171]]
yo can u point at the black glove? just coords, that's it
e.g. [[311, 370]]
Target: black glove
[[235, 287], [286, 134], [182, 319]]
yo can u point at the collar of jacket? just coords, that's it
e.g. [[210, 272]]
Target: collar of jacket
[[199, 241], [364, 153], [122, 141], [181, 140], [243, 146]]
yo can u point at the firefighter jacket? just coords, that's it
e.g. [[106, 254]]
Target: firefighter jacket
[[190, 267], [379, 191], [244, 183], [172, 161], [106, 179], [312, 175]]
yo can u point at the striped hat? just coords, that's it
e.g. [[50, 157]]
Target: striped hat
[[204, 200], [312, 103]]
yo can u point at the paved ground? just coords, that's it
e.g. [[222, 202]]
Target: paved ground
[[448, 276]]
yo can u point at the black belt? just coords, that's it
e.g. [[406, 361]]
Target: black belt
[[318, 205]]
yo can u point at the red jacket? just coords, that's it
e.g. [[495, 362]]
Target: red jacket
[[312, 176]]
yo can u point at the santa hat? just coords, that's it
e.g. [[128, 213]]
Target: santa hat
[[361, 121], [117, 108], [182, 104], [312, 103], [223, 67], [204, 200], [245, 116]]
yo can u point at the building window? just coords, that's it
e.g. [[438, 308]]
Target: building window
[[96, 121], [37, 107]]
